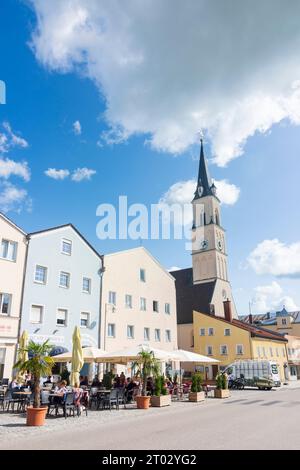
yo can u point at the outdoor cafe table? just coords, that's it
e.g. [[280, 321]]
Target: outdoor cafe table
[[24, 395]]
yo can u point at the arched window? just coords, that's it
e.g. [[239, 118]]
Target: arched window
[[217, 217]]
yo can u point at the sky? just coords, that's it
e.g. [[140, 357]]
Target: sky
[[108, 98]]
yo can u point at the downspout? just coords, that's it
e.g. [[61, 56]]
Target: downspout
[[22, 295], [102, 270]]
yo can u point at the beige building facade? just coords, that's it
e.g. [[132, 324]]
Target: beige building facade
[[138, 302], [13, 248]]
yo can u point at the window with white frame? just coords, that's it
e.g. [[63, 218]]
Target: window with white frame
[[84, 319], [239, 349], [130, 331], [111, 330], [155, 306], [146, 334], [5, 303], [40, 274], [202, 332], [143, 305], [64, 279], [66, 247], [36, 314], [157, 334], [86, 285], [9, 250], [209, 350], [142, 275], [223, 350], [211, 332], [128, 301], [112, 297], [61, 317], [227, 332], [167, 308], [168, 336]]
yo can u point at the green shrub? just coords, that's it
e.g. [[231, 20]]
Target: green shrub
[[157, 387], [196, 383], [107, 380], [222, 382]]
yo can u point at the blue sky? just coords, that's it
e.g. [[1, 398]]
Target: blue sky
[[46, 96]]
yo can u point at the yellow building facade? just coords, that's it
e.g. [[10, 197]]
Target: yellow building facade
[[232, 341]]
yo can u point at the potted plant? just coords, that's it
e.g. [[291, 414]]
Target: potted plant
[[39, 364], [146, 365], [196, 394], [161, 395], [221, 391]]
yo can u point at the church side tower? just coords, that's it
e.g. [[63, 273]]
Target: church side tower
[[209, 254]]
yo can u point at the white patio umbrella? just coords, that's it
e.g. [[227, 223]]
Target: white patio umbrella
[[123, 356], [181, 355], [89, 355]]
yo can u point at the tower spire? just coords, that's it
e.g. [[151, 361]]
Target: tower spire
[[204, 183]]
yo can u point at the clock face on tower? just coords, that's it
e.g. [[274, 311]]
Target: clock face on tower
[[204, 245]]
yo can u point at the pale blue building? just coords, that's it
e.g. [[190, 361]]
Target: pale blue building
[[62, 288]]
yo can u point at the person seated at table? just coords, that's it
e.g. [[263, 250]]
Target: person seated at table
[[61, 388], [96, 382], [48, 380], [14, 384], [83, 381], [117, 382], [122, 379], [130, 387], [169, 385]]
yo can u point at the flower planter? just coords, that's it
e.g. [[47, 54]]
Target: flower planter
[[36, 416], [221, 393], [196, 396], [142, 402], [163, 400]]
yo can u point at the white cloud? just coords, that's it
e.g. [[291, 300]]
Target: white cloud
[[271, 298], [276, 258], [10, 167], [82, 174], [13, 198], [182, 193], [57, 174], [8, 139], [77, 128], [174, 268], [166, 70]]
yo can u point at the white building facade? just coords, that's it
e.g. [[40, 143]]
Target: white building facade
[[13, 246], [138, 302], [62, 288]]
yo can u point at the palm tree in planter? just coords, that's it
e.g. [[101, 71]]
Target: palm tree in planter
[[221, 391], [161, 395], [39, 364], [196, 394], [146, 365]]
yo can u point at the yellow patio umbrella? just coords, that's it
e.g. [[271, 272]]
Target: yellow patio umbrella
[[77, 357], [22, 355]]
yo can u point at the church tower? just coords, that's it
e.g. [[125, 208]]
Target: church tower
[[209, 253]]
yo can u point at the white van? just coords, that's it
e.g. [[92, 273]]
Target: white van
[[253, 372]]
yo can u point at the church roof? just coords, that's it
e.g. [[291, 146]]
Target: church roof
[[271, 318], [191, 296], [205, 186]]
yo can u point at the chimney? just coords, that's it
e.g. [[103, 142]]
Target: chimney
[[251, 319], [227, 310]]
